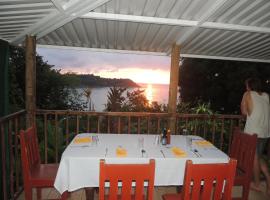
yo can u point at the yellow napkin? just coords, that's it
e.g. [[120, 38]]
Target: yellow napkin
[[178, 152], [121, 152], [203, 143], [82, 140]]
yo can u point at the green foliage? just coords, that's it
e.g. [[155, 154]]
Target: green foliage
[[136, 101], [115, 99], [53, 90]]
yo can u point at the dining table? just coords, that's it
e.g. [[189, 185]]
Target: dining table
[[79, 165]]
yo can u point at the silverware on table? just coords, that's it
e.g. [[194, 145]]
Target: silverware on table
[[143, 152], [162, 153], [196, 152], [106, 152]]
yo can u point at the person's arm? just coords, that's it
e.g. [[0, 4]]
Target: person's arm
[[246, 104]]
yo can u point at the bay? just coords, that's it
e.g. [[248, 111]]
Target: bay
[[153, 92]]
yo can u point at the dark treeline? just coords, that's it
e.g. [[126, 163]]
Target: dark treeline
[[90, 80], [219, 83]]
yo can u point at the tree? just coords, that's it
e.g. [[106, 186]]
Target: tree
[[220, 83], [115, 99], [136, 101], [53, 90]]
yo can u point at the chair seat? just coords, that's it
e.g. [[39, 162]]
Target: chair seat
[[172, 196], [240, 177], [44, 175]]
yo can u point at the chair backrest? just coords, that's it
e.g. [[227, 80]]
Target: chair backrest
[[209, 181], [243, 149], [29, 151], [127, 175]]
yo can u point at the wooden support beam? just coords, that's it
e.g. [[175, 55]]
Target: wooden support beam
[[30, 80], [174, 76]]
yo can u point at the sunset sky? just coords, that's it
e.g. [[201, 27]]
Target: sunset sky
[[139, 68]]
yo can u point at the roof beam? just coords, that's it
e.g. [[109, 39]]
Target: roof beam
[[57, 19], [139, 19], [175, 22], [58, 5], [224, 58], [102, 50], [152, 53]]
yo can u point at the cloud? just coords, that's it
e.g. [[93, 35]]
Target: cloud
[[108, 64]]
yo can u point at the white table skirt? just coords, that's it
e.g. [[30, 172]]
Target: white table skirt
[[79, 166]]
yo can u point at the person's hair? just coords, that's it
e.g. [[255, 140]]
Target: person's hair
[[254, 84]]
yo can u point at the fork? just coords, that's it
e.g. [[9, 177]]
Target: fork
[[106, 152]]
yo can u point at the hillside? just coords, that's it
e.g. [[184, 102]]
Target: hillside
[[90, 80]]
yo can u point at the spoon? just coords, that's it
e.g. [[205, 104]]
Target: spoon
[[143, 151]]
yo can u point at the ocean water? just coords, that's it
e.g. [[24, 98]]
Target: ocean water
[[153, 92]]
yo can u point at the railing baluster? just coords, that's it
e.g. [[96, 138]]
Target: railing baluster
[[108, 125], [119, 125], [77, 124], [88, 124], [158, 125], [17, 159], [213, 130], [222, 134], [46, 138], [139, 126], [98, 125], [11, 157], [148, 125], [129, 124], [56, 138], [67, 129], [204, 127], [4, 172], [230, 134]]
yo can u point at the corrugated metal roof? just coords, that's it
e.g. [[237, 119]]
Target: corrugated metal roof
[[222, 29]]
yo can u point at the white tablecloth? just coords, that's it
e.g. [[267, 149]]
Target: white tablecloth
[[79, 166]]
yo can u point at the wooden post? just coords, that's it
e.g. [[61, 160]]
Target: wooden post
[[30, 80], [174, 76]]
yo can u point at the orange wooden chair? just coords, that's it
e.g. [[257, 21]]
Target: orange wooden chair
[[35, 174], [127, 175], [243, 149], [206, 181]]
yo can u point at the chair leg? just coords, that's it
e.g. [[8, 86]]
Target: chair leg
[[245, 191], [28, 192], [65, 195], [89, 193], [39, 194]]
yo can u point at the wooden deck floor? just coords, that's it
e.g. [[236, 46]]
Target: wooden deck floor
[[80, 194]]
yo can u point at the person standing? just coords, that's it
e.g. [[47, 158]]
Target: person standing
[[255, 106]]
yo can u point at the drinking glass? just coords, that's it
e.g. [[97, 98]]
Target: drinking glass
[[140, 142], [189, 142]]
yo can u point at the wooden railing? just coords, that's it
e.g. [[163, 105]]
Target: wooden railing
[[57, 128], [10, 154]]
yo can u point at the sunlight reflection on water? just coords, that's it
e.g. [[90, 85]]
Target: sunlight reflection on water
[[153, 92]]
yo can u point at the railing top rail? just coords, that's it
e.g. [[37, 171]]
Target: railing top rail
[[10, 116], [139, 114], [71, 112]]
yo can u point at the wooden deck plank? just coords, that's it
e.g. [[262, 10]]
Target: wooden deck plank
[[159, 191]]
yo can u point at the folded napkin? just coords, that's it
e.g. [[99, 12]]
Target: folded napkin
[[82, 140], [178, 152], [121, 152], [203, 143]]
